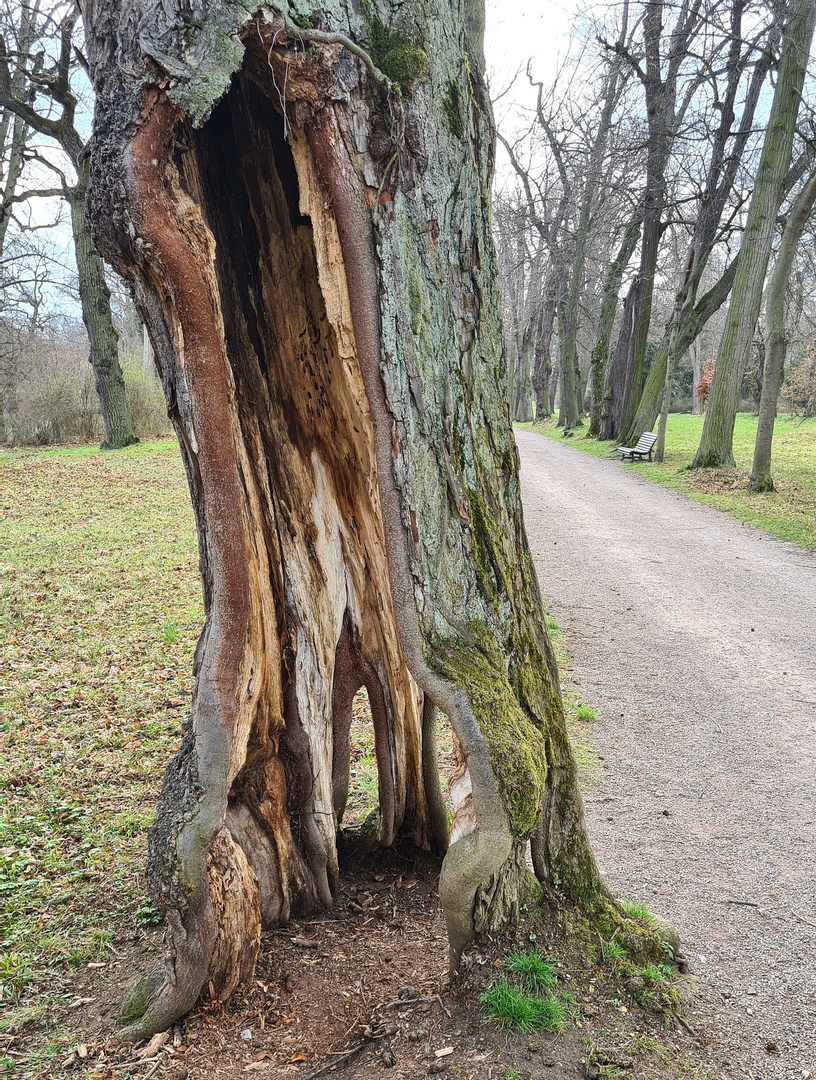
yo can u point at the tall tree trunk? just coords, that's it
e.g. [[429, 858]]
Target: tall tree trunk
[[716, 441], [726, 154], [103, 338], [693, 323], [775, 336], [696, 375], [324, 312], [663, 118], [598, 363], [569, 414], [612, 404], [611, 96], [542, 367]]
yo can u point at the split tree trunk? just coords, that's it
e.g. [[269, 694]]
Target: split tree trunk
[[310, 250]]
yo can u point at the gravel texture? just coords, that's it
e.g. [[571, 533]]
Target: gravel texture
[[694, 638]]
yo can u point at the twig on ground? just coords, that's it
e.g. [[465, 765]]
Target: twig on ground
[[332, 1064], [150, 1072], [742, 903], [413, 1001], [442, 1005], [801, 918]]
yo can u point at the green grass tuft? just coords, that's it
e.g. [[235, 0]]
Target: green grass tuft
[[584, 712], [535, 974], [638, 911], [613, 950], [511, 1007]]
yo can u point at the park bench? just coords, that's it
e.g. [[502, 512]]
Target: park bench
[[644, 446]]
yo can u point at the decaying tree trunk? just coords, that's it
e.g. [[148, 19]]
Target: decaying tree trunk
[[302, 208]]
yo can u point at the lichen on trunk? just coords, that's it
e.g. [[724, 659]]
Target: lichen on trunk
[[308, 241]]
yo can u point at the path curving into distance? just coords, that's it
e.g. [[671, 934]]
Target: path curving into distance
[[694, 638]]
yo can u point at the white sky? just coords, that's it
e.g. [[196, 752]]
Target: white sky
[[518, 32]]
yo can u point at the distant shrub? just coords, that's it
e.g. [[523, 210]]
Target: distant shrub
[[145, 396], [55, 401], [798, 395], [63, 409]]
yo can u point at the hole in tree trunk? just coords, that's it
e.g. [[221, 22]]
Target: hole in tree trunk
[[360, 821]]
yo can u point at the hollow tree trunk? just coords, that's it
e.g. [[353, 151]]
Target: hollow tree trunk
[[98, 318], [317, 275]]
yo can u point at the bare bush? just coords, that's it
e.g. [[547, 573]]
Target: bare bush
[[799, 392], [50, 397]]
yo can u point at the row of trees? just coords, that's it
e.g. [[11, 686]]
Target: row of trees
[[654, 176], [44, 168]]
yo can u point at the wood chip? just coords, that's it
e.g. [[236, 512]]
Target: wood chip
[[444, 1052], [305, 942], [156, 1043]]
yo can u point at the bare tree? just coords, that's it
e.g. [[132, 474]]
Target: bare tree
[[715, 447], [776, 334], [36, 88]]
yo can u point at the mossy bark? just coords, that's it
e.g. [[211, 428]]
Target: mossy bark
[[775, 334], [716, 440], [98, 319], [317, 275]]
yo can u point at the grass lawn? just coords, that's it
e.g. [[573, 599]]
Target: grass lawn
[[100, 610], [788, 512]]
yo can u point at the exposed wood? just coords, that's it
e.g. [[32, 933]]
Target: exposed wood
[[317, 276]]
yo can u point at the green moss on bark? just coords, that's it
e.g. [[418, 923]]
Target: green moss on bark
[[397, 57], [518, 752], [452, 109]]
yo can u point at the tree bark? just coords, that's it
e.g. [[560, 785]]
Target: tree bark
[[598, 364], [775, 335], [542, 366], [612, 404], [318, 280], [694, 322], [716, 441], [97, 316]]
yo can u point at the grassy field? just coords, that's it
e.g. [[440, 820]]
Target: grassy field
[[788, 512], [99, 614]]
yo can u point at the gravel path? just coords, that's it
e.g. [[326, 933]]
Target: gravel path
[[694, 637]]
